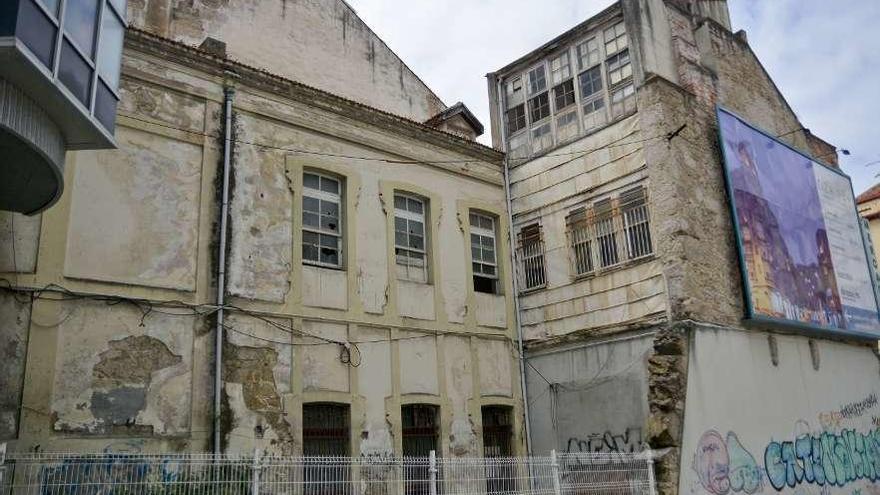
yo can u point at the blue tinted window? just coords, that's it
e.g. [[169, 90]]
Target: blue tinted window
[[105, 106], [51, 6], [80, 20], [110, 49], [36, 31], [75, 73]]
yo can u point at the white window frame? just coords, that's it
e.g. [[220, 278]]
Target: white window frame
[[320, 195], [582, 50], [581, 241], [533, 89], [615, 38], [416, 217], [483, 232], [531, 259], [563, 71], [620, 72]]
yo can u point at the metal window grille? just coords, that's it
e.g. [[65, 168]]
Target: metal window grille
[[409, 238], [531, 257], [610, 232], [484, 262], [419, 435], [204, 474], [322, 220]]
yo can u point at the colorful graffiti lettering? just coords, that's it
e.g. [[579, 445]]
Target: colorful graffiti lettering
[[629, 441], [723, 466], [833, 459]]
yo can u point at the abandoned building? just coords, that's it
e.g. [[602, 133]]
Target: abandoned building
[[298, 247], [631, 299], [368, 297]]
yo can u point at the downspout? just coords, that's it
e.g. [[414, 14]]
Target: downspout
[[228, 93], [515, 281]]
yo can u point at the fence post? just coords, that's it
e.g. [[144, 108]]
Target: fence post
[[255, 479], [652, 490], [554, 467], [432, 473]]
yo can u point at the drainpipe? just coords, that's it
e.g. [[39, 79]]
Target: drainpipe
[[512, 245], [221, 268]]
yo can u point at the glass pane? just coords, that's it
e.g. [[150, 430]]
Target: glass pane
[[477, 268], [489, 269], [310, 219], [416, 227], [415, 206], [475, 240], [487, 223], [110, 49], [311, 204], [489, 256], [310, 252], [329, 185], [329, 223], [329, 241], [36, 31], [51, 6], [80, 20], [330, 208], [400, 238], [330, 256], [120, 6], [310, 238], [75, 73], [400, 202], [310, 181], [476, 254], [417, 242], [399, 224], [475, 220], [488, 242], [105, 107]]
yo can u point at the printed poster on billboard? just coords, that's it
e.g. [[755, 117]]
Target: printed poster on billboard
[[802, 254]]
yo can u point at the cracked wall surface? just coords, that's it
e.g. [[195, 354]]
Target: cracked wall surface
[[15, 315]]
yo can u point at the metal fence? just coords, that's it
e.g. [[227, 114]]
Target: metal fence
[[194, 474]]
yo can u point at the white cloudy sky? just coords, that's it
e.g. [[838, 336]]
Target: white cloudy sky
[[824, 55]]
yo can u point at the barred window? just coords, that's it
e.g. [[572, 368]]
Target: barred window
[[609, 232], [581, 240], [409, 238], [588, 53], [531, 257], [615, 39], [516, 118], [483, 258], [322, 220], [634, 207], [325, 429]]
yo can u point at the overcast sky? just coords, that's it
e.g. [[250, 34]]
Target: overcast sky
[[824, 55]]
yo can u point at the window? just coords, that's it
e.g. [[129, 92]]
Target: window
[[516, 118], [325, 433], [619, 67], [541, 137], [75, 72], [322, 220], [588, 53], [531, 257], [80, 23], [514, 92], [498, 442], [566, 119], [590, 82], [539, 107], [615, 39], [37, 31], [564, 94], [633, 205], [483, 258], [580, 239], [409, 238], [606, 234], [419, 434], [623, 100], [325, 429], [566, 126], [560, 70], [537, 80]]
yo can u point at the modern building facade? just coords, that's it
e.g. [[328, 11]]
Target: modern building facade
[[367, 303], [59, 81], [630, 292]]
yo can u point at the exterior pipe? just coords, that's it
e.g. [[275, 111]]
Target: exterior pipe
[[514, 279], [221, 268]]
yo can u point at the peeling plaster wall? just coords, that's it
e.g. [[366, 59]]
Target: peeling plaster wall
[[113, 376], [320, 43], [16, 317], [19, 239]]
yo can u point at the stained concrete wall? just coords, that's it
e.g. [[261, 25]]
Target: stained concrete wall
[[139, 223], [317, 42], [592, 397], [15, 314], [793, 415]]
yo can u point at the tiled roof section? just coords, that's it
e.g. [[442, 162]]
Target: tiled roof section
[[265, 80], [457, 109], [871, 194]]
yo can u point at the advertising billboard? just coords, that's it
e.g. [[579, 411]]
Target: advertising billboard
[[801, 250]]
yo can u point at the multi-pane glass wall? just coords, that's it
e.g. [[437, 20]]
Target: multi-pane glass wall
[[79, 45]]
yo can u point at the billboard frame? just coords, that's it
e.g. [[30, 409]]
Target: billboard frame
[[751, 317]]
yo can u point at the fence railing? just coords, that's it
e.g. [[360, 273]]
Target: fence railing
[[197, 474]]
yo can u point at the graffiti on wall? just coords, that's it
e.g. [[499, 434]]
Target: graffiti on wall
[[607, 442], [724, 465]]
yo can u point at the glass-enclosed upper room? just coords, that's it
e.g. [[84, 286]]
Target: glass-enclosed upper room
[[60, 68]]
